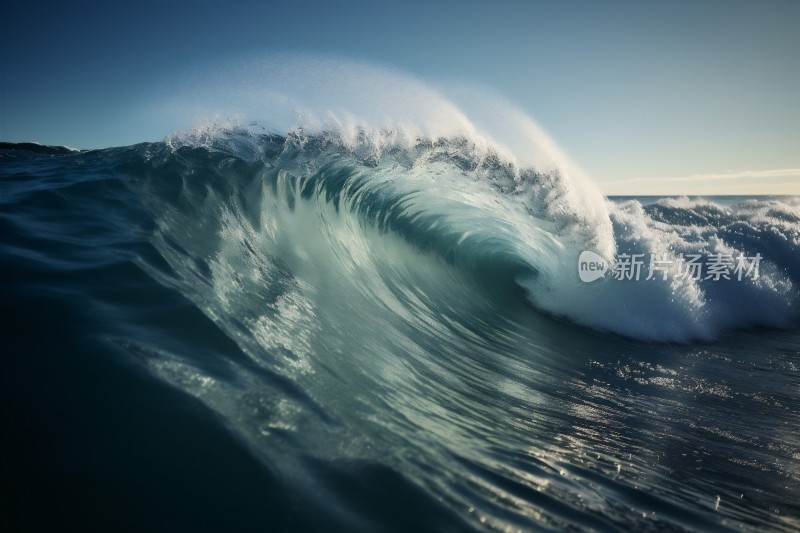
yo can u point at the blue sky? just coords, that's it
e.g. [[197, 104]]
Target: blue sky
[[647, 97]]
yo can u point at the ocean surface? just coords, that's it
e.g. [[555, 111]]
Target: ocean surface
[[297, 332]]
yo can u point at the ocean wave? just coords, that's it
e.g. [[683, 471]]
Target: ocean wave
[[403, 320], [504, 225]]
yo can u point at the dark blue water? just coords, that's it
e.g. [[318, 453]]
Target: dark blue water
[[198, 338]]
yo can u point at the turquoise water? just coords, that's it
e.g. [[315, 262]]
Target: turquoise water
[[278, 333]]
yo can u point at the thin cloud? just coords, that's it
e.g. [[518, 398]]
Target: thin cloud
[[744, 174]]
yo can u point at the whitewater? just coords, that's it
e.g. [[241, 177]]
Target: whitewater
[[359, 296]]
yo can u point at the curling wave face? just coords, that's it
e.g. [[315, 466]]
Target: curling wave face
[[381, 278], [318, 201], [409, 326]]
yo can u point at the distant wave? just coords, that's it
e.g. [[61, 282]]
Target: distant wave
[[37, 148]]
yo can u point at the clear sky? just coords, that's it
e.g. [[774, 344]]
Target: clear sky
[[698, 97]]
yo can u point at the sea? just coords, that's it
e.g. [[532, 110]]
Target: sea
[[232, 331]]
